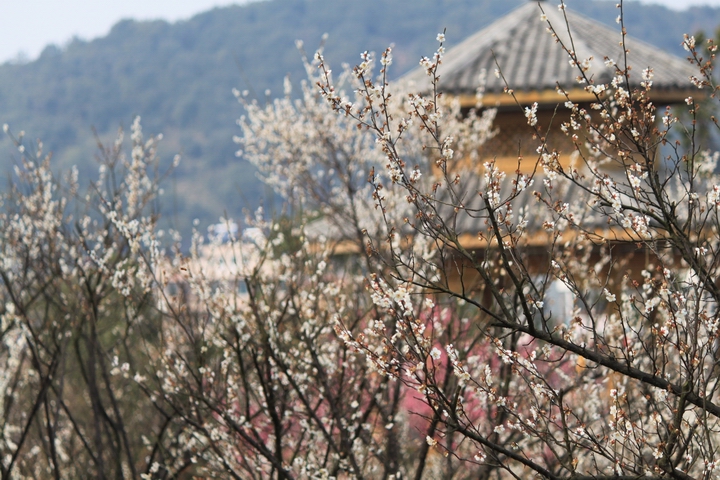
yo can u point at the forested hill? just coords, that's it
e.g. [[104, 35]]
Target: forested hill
[[179, 77]]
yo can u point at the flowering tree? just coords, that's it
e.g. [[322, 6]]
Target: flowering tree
[[621, 385], [77, 306], [401, 320]]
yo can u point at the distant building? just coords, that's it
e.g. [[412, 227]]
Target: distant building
[[533, 65], [518, 52]]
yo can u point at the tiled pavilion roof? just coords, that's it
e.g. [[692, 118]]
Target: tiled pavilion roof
[[532, 60]]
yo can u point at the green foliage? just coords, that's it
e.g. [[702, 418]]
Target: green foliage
[[179, 77]]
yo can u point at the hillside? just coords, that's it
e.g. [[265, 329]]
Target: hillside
[[179, 77]]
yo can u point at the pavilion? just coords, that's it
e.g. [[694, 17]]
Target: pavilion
[[534, 64]]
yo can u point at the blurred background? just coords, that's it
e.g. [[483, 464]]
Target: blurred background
[[70, 68]]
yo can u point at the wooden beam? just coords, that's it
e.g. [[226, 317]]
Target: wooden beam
[[550, 97]]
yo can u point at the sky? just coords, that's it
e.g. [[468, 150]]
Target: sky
[[27, 26], [680, 4]]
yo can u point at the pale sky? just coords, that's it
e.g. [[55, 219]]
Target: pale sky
[[30, 25], [27, 26]]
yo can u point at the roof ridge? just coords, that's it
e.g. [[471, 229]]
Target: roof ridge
[[530, 58]]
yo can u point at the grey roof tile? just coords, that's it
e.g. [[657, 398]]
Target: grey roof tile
[[531, 59]]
